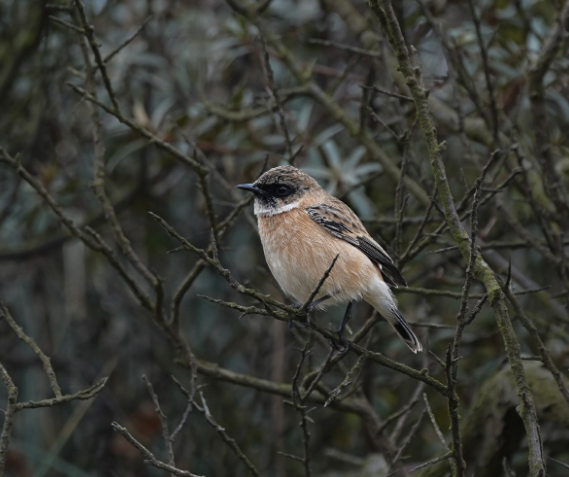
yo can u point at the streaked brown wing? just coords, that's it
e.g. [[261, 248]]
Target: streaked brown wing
[[342, 222]]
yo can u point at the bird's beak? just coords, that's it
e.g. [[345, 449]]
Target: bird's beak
[[250, 188]]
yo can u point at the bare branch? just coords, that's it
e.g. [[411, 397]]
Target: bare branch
[[204, 410], [482, 271], [168, 441], [90, 35], [126, 42], [149, 458], [46, 362], [9, 413]]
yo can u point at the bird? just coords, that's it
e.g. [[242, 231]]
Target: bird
[[303, 229]]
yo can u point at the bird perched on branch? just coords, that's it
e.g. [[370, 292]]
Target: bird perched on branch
[[303, 229]]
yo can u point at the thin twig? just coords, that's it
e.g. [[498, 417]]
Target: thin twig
[[46, 361], [204, 410], [408, 438], [274, 95], [66, 24], [89, 32], [348, 380], [439, 434], [149, 458], [486, 69], [153, 138], [163, 422], [436, 460], [319, 285], [390, 25], [538, 344], [341, 46], [126, 42], [9, 413], [377, 89]]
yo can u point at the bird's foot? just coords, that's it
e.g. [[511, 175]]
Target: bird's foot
[[300, 325], [312, 304], [344, 345], [306, 323]]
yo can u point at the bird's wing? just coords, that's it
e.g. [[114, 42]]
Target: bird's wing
[[343, 223]]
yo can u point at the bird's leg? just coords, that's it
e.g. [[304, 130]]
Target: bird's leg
[[315, 303], [309, 309], [345, 320], [345, 343], [299, 324]]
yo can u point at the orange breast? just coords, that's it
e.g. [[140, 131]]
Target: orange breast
[[299, 251]]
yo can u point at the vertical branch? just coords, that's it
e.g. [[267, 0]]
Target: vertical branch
[[204, 410], [404, 413], [90, 34], [99, 175], [439, 433], [486, 68], [46, 362], [211, 214], [274, 94], [408, 438], [299, 404], [552, 183], [156, 307], [452, 56], [400, 196], [304, 76], [538, 343], [388, 20], [163, 422], [278, 360], [306, 442], [190, 278], [8, 416], [194, 273]]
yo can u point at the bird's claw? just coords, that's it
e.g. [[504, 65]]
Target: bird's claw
[[299, 325], [344, 345], [312, 304]]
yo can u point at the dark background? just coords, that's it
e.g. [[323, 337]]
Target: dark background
[[185, 77]]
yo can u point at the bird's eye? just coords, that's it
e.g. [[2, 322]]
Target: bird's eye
[[283, 190]]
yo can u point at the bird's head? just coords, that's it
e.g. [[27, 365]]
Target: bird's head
[[280, 189]]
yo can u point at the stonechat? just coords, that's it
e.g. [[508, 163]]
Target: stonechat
[[303, 228]]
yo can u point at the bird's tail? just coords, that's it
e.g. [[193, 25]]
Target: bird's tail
[[386, 304], [404, 330]]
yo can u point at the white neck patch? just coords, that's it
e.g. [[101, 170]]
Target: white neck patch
[[259, 209]]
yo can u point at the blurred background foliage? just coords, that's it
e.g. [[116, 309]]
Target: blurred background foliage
[[195, 75]]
